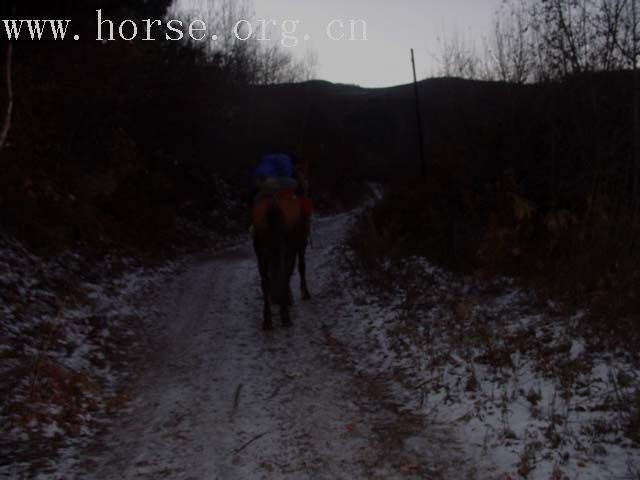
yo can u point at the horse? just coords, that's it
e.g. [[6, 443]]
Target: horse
[[280, 238]]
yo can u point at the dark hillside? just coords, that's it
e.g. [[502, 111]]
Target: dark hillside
[[371, 133]]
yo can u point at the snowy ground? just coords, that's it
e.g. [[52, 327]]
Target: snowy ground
[[526, 391], [69, 330], [433, 376]]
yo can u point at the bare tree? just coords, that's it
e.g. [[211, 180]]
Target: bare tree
[[631, 51], [458, 57], [543, 39], [308, 66], [576, 36], [636, 120], [509, 49], [610, 28], [6, 127], [254, 60], [559, 25]]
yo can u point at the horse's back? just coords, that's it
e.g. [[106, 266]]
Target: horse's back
[[288, 208]]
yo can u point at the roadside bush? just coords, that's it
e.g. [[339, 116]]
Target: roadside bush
[[574, 249], [423, 218]]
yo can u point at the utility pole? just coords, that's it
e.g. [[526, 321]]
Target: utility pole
[[423, 166]]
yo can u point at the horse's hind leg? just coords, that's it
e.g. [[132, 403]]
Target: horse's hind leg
[[290, 265], [267, 323], [284, 315], [302, 271], [290, 300]]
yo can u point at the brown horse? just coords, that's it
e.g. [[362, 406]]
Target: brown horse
[[280, 236]]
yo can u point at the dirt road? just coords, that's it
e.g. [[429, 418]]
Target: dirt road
[[221, 399]]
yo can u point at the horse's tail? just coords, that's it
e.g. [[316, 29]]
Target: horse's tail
[[279, 280]]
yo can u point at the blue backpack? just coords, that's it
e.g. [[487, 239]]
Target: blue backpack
[[274, 165]]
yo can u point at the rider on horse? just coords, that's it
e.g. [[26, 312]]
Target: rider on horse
[[280, 172], [280, 220]]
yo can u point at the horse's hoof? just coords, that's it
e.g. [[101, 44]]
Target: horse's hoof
[[287, 323], [266, 326], [306, 296]]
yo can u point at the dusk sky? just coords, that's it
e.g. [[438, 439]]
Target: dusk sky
[[392, 28]]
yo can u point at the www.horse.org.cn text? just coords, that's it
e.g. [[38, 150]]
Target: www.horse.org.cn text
[[287, 32]]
